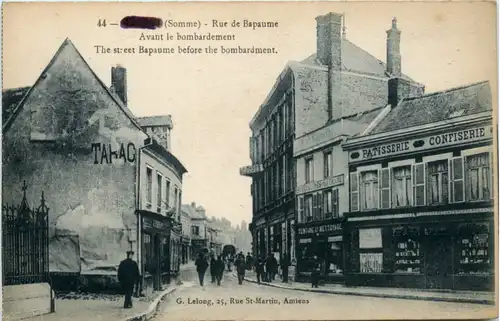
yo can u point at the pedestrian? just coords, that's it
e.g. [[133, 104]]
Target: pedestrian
[[285, 263], [249, 261], [269, 268], [219, 269], [240, 267], [213, 272], [201, 267], [128, 275], [259, 269], [316, 270]]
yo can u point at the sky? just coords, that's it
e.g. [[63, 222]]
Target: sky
[[212, 98]]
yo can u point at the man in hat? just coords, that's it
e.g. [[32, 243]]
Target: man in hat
[[128, 275]]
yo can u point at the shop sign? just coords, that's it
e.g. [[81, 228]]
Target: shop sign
[[326, 183], [149, 223], [320, 229], [440, 140], [370, 238], [250, 170]]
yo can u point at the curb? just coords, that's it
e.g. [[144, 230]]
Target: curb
[[150, 312], [381, 295]]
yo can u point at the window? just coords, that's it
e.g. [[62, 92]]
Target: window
[[478, 177], [370, 240], [195, 230], [327, 164], [475, 252], [300, 209], [407, 249], [175, 198], [284, 175], [149, 186], [401, 186], [327, 204], [308, 208], [159, 194], [167, 194], [147, 251], [370, 262], [309, 170], [369, 190], [437, 182], [179, 206]]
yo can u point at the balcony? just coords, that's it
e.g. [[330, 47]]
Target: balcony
[[251, 170]]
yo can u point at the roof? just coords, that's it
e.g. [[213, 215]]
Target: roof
[[191, 211], [67, 42], [355, 59], [155, 121], [438, 106], [10, 99], [166, 155]]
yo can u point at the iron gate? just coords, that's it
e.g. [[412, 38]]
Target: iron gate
[[25, 242]]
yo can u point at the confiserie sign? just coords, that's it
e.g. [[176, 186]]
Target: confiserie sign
[[440, 140]]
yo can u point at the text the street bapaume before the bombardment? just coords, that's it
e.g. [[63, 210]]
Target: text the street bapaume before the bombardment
[[214, 37]]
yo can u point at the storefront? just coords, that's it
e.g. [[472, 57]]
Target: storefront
[[450, 248], [186, 249], [156, 249], [325, 240]]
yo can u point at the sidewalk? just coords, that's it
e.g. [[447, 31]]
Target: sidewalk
[[109, 307], [396, 293]]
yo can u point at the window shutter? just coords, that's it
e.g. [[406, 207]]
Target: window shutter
[[315, 207], [385, 188], [457, 180], [419, 184], [354, 186], [301, 209], [492, 187], [319, 203], [335, 202]]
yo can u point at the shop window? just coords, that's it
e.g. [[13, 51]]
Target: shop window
[[309, 170], [475, 254], [333, 257], [149, 186], [478, 176], [148, 251], [401, 186], [369, 190], [407, 249], [437, 182], [370, 262], [327, 164], [370, 245], [159, 194]]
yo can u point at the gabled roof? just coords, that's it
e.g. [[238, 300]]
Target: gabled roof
[[155, 121], [67, 42], [10, 99], [438, 106], [355, 59]]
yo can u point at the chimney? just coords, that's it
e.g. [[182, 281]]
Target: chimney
[[119, 82], [329, 52], [393, 51], [193, 205]]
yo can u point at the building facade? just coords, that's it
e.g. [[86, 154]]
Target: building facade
[[421, 194], [186, 236], [159, 214]]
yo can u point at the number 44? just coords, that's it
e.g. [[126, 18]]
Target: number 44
[[101, 23]]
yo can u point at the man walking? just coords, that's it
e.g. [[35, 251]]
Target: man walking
[[201, 267], [259, 269], [240, 267], [219, 269], [213, 272], [128, 275], [284, 267]]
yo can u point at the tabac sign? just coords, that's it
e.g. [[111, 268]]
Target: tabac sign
[[429, 142]]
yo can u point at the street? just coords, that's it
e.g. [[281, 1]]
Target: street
[[250, 301]]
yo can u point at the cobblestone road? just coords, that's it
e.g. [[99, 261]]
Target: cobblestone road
[[232, 301]]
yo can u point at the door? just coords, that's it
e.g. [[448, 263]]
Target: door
[[438, 262]]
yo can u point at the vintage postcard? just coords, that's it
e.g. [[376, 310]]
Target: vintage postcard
[[249, 161]]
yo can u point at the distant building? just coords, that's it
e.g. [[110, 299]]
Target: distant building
[[421, 194], [186, 236]]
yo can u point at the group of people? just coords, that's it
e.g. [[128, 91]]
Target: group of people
[[267, 268], [216, 267]]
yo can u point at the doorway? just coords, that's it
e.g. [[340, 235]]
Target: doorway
[[439, 262]]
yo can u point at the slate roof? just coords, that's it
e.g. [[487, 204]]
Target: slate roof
[[355, 59], [155, 121], [438, 106], [10, 99], [191, 211], [166, 155]]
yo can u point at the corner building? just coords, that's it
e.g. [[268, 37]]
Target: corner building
[[421, 194]]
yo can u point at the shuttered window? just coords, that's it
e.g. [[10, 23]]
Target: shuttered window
[[457, 180], [301, 209], [419, 184], [354, 191], [385, 188], [319, 204]]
